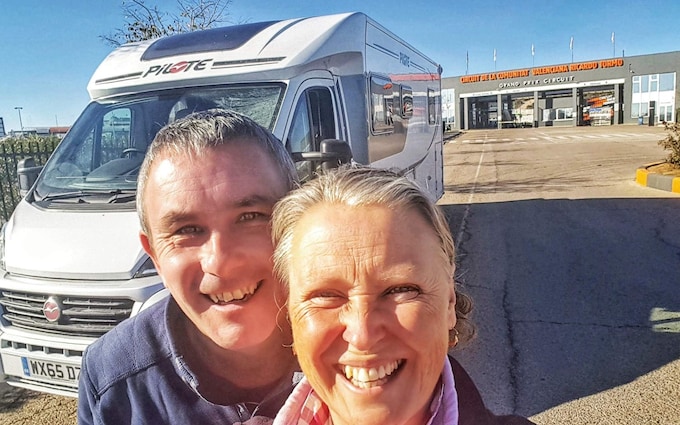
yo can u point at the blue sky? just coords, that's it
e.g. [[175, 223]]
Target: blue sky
[[49, 49]]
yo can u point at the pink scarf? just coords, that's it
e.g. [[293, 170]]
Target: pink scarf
[[304, 407]]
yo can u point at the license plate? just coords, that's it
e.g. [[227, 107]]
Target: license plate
[[50, 370]]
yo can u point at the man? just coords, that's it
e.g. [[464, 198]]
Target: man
[[218, 349]]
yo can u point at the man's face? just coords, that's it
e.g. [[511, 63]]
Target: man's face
[[371, 303], [208, 219]]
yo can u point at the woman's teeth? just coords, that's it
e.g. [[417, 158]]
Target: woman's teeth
[[363, 377]]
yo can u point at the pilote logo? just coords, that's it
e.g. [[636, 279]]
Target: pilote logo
[[52, 309], [174, 68]]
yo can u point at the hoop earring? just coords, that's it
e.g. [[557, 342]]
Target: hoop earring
[[453, 341]]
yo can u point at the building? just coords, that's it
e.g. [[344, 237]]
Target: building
[[59, 132], [627, 90]]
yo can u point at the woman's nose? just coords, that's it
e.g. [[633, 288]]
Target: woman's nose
[[363, 325]]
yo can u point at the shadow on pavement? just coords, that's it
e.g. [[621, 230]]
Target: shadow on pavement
[[12, 398], [590, 303]]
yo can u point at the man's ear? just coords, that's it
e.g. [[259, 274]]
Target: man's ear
[[146, 244]]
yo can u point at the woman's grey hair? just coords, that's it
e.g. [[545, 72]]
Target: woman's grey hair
[[357, 185], [201, 131]]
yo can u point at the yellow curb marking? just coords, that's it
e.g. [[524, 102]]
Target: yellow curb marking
[[676, 185], [641, 176]]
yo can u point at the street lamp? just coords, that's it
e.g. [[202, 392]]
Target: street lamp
[[21, 124]]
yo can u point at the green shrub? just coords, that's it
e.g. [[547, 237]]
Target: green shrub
[[672, 143], [12, 150]]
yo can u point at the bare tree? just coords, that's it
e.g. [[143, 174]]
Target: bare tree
[[145, 22]]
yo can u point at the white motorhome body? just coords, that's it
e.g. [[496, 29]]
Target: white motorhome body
[[73, 266]]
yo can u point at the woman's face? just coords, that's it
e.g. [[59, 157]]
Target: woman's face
[[371, 304]]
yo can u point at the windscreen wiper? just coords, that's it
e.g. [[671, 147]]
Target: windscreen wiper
[[66, 195], [115, 195], [122, 196]]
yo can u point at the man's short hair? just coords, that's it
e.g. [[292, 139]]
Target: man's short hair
[[201, 131]]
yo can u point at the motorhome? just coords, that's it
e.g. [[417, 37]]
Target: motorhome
[[331, 88]]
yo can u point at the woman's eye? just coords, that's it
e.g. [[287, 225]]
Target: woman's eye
[[326, 299], [406, 292]]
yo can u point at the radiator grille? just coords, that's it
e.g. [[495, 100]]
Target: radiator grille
[[80, 316]]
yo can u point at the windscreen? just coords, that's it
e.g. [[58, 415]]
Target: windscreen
[[101, 155]]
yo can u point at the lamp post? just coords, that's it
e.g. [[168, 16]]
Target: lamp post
[[21, 124]]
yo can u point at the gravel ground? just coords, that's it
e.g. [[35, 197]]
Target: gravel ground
[[23, 407], [643, 401]]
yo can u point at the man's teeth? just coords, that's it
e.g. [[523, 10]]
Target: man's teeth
[[366, 377], [237, 295]]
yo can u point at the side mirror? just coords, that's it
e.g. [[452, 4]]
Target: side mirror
[[333, 153], [28, 173], [338, 152]]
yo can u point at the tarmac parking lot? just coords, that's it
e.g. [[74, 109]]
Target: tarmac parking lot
[[572, 267]]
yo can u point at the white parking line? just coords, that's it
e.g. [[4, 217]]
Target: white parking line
[[572, 138], [463, 221]]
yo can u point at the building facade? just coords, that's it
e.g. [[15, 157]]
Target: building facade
[[627, 90]]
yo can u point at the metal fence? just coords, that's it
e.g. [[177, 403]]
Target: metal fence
[[12, 151]]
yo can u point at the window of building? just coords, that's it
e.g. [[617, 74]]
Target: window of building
[[557, 114], [654, 87], [654, 83], [644, 108], [665, 113], [667, 82], [639, 109], [635, 110], [644, 83], [564, 113], [636, 84]]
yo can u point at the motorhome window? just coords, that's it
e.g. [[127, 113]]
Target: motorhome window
[[381, 105], [259, 102], [300, 135], [115, 134], [323, 119], [432, 106], [105, 147], [313, 121], [406, 102]]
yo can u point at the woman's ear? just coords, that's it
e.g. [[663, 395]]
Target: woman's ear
[[451, 310]]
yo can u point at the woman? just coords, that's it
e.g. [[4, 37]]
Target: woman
[[368, 261]]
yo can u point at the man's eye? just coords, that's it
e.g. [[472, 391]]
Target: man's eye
[[188, 230], [250, 216]]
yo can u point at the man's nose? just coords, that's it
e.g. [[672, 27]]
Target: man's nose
[[217, 253], [364, 325]]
